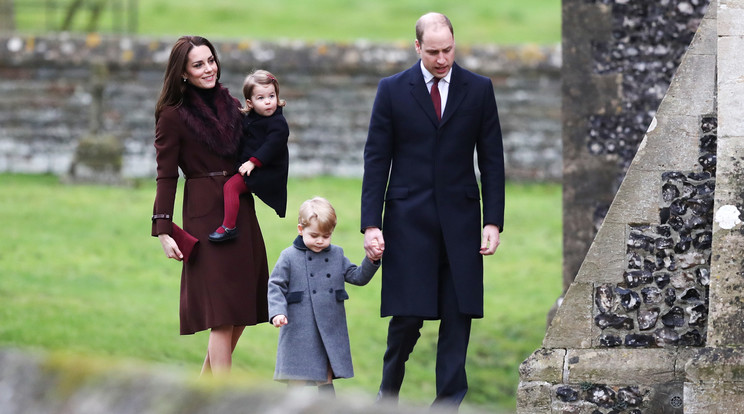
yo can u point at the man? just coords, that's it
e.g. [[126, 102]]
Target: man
[[420, 167]]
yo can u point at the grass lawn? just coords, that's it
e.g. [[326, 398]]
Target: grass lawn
[[475, 21], [81, 274]]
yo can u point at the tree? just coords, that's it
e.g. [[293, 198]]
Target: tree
[[7, 16], [95, 7]]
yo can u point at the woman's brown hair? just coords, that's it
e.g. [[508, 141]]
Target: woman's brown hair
[[173, 83]]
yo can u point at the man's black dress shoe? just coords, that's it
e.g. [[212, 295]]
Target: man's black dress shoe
[[229, 234]]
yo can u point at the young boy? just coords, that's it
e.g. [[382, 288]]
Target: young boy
[[306, 300]]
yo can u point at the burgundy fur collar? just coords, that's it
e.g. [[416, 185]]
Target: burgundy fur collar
[[220, 133]]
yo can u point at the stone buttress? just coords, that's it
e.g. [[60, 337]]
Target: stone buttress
[[653, 322]]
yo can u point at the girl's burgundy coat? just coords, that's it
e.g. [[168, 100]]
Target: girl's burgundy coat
[[222, 283]]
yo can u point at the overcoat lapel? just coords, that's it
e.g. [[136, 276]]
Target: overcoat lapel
[[420, 93], [457, 92]]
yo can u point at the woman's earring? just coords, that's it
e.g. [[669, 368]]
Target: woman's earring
[[184, 80]]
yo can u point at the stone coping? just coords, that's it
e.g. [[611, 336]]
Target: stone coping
[[51, 383], [244, 54]]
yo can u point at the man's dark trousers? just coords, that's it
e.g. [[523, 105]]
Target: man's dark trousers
[[452, 346]]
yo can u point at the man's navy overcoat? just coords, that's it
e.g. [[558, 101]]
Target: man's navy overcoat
[[421, 172]]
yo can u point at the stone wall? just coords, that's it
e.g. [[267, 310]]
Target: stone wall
[[38, 383], [46, 84], [619, 58], [653, 321]]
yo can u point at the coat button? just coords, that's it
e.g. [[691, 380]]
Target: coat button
[[326, 259], [328, 275], [312, 274], [313, 291], [330, 290], [310, 258]]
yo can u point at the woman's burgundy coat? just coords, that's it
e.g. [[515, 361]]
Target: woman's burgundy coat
[[222, 283]]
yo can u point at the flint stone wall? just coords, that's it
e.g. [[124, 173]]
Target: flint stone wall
[[653, 321], [620, 56], [46, 84]]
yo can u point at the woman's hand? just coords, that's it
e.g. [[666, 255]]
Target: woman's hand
[[246, 168], [170, 247]]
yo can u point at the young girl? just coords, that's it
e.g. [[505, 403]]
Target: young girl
[[306, 300], [263, 153]]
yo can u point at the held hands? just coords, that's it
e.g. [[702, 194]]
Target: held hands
[[279, 321], [491, 240], [246, 168], [374, 243], [170, 247]]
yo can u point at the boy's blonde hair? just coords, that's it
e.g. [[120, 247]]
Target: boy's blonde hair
[[260, 77], [320, 210]]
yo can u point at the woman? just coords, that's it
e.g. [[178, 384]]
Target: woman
[[198, 127]]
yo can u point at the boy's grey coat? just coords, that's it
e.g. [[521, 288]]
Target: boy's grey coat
[[308, 288]]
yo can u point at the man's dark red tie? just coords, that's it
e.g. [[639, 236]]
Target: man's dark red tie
[[436, 99]]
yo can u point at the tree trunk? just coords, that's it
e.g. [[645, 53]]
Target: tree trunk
[[7, 16], [70, 14]]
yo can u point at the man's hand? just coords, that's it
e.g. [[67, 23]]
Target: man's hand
[[491, 240], [374, 243]]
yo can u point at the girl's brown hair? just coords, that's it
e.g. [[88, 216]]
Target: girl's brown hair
[[173, 83], [260, 77]]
